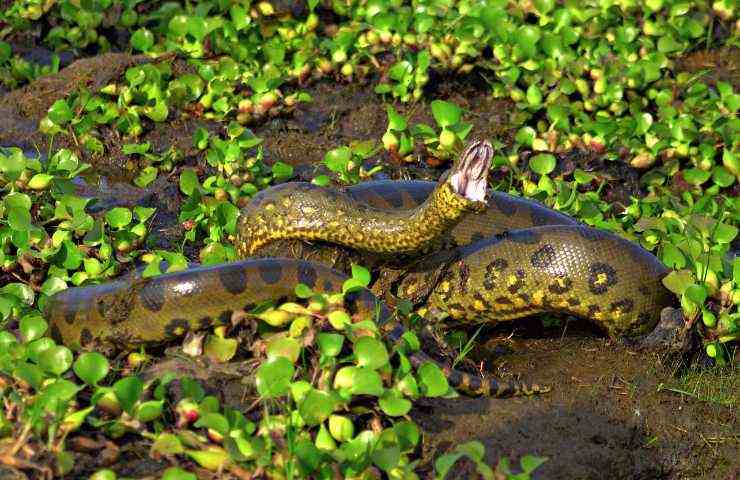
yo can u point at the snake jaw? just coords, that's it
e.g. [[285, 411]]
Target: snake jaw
[[469, 175]]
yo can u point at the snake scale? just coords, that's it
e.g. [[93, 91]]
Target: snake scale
[[470, 255]]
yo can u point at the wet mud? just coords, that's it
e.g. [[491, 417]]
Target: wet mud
[[606, 416]]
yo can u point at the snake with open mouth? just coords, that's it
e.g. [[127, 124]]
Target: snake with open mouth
[[466, 254]]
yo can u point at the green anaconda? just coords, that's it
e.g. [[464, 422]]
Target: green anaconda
[[486, 273]]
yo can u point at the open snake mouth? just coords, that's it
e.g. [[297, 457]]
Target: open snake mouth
[[469, 175]]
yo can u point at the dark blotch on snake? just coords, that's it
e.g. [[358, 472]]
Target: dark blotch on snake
[[544, 257], [224, 317], [595, 273], [56, 335], [561, 285], [307, 274], [626, 305], [503, 300], [85, 337], [271, 273], [151, 295], [205, 322], [233, 278], [69, 316], [503, 204], [527, 236], [176, 327]]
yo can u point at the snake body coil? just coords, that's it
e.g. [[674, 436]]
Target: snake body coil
[[489, 272]]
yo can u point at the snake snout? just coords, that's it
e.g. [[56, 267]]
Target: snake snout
[[469, 175]]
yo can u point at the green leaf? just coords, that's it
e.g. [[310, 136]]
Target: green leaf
[[336, 160], [392, 403], [432, 380], [370, 353], [32, 327], [725, 233], [220, 349], [722, 177], [128, 390], [214, 421], [91, 367], [330, 344], [273, 377], [281, 171], [673, 257], [56, 360], [526, 136], [694, 176], [142, 40], [444, 463], [177, 473], [534, 96], [119, 217], [446, 114], [29, 373], [149, 410], [359, 381], [146, 176], [303, 291], [60, 113], [321, 180], [341, 428], [5, 51], [678, 281], [188, 181], [361, 274], [316, 407], [178, 26], [696, 293], [543, 163], [283, 347]]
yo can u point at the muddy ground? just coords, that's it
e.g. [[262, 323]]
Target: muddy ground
[[606, 416]]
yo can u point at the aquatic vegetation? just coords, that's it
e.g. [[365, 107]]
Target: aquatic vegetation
[[590, 90]]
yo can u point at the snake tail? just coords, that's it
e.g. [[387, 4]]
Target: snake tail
[[467, 383]]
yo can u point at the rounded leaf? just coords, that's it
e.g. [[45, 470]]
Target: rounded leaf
[[393, 404], [370, 352], [330, 344], [273, 377], [446, 113], [56, 360], [142, 39], [119, 217], [432, 380], [91, 367], [316, 407], [32, 327], [542, 163], [285, 347]]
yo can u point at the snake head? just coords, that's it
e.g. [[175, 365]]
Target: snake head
[[468, 176]]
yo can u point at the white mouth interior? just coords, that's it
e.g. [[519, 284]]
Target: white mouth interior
[[470, 188]]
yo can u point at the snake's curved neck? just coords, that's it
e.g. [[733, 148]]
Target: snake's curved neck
[[303, 211]]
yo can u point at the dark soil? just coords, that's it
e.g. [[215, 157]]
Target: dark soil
[[605, 417]]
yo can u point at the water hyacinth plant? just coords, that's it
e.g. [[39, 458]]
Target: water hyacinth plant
[[620, 113]]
